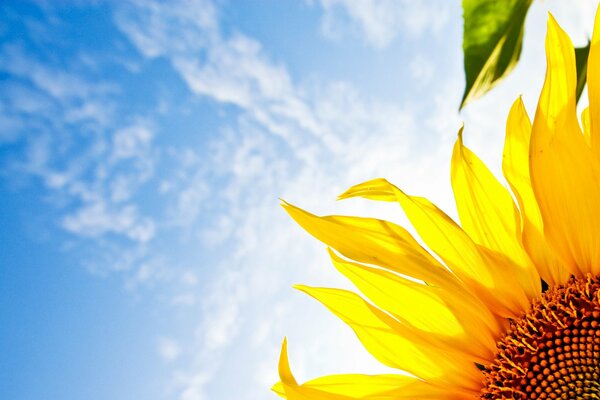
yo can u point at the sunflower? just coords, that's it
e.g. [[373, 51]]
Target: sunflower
[[510, 307]]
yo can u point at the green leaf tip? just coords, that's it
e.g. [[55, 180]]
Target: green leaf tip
[[492, 42]]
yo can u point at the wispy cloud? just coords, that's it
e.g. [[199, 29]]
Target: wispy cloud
[[79, 100], [379, 22], [180, 27], [95, 220], [168, 349], [291, 140], [219, 250], [64, 133]]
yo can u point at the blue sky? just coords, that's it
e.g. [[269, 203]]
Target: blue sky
[[144, 147]]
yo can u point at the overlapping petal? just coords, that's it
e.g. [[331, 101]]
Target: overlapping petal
[[452, 322], [593, 82], [489, 216], [515, 165], [490, 266], [564, 173], [357, 386], [377, 242], [395, 344], [486, 273]]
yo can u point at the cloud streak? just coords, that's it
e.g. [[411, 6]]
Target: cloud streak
[[201, 224], [380, 22], [290, 140]]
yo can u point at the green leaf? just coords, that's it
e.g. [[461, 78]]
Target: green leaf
[[581, 57], [492, 42]]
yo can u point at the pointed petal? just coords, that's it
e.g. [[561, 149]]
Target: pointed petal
[[593, 83], [564, 173], [358, 387], [489, 276], [486, 210], [452, 321], [515, 165], [375, 242], [395, 345], [489, 215], [375, 189], [285, 373], [495, 286]]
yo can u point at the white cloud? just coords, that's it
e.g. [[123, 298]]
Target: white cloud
[[178, 27], [106, 202], [217, 232], [189, 278], [80, 100], [379, 22], [194, 386], [221, 323], [131, 141], [304, 143], [168, 349], [62, 116], [421, 69], [95, 219], [234, 72], [184, 299]]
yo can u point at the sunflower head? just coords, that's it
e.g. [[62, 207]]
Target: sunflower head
[[504, 305]]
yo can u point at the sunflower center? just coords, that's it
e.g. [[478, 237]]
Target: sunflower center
[[553, 351]]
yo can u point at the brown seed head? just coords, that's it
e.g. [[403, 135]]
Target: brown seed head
[[553, 351]]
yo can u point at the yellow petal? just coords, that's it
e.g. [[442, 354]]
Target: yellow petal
[[374, 241], [285, 373], [357, 386], [486, 210], [394, 344], [489, 215], [565, 175], [587, 131], [452, 321], [279, 389], [593, 83], [490, 282], [375, 189], [515, 165]]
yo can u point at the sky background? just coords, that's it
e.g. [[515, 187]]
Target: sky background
[[144, 147]]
